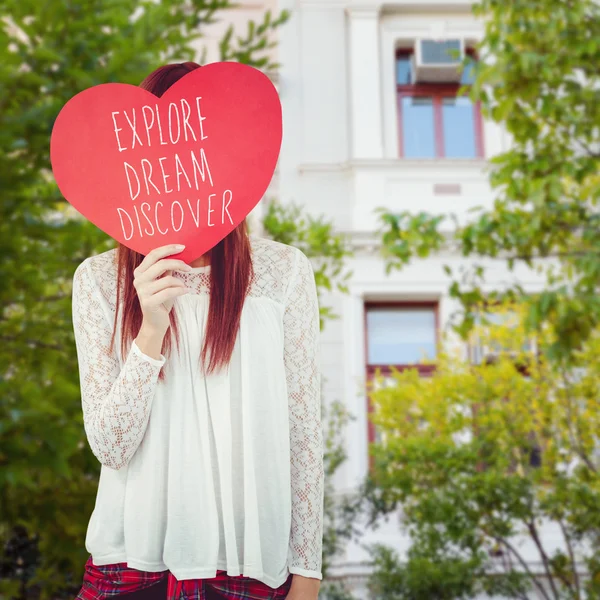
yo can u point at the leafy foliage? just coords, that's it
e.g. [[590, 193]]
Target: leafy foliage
[[482, 456], [538, 77]]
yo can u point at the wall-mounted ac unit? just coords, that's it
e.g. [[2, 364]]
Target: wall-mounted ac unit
[[438, 61]]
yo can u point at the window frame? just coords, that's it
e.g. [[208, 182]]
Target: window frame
[[425, 370], [437, 91]]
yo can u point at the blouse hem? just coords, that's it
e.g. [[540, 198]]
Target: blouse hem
[[140, 565], [205, 573], [212, 572]]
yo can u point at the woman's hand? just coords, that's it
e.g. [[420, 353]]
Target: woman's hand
[[304, 588], [155, 292]]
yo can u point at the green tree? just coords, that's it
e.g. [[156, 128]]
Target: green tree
[[49, 51], [483, 455], [538, 77]]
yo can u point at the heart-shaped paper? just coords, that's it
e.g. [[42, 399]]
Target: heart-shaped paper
[[186, 168]]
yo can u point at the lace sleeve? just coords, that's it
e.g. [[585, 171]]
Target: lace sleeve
[[115, 401], [301, 356]]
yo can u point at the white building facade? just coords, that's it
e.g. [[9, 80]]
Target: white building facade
[[361, 132]]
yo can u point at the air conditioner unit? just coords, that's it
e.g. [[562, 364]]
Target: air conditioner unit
[[438, 61]]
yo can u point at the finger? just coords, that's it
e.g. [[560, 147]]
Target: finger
[[167, 294], [163, 265], [158, 253], [156, 285], [160, 267]]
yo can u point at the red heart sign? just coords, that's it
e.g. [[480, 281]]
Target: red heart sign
[[186, 168]]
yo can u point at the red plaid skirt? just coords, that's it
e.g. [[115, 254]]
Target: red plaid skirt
[[105, 581]]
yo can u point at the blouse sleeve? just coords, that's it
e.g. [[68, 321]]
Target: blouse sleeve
[[301, 357], [115, 401]]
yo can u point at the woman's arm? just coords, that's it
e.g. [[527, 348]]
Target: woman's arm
[[301, 356], [115, 401]]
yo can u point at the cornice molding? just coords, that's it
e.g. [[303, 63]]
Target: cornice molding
[[323, 4], [395, 164], [364, 9]]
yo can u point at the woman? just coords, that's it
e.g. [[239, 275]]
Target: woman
[[212, 456]]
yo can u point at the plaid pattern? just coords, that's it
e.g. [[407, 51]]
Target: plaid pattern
[[106, 581]]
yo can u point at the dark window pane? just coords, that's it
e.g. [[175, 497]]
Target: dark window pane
[[459, 128], [418, 133], [400, 336], [440, 52], [403, 70]]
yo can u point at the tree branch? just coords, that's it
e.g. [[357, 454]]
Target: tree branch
[[523, 564], [572, 557], [534, 535]]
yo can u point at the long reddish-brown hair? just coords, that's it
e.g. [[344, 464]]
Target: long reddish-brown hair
[[230, 272]]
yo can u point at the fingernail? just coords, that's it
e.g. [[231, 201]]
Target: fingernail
[[180, 246]]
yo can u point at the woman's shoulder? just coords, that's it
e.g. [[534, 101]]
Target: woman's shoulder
[[101, 262], [274, 266], [272, 255], [99, 272], [268, 251]]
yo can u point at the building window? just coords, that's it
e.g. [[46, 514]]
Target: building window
[[433, 120], [400, 335], [481, 351]]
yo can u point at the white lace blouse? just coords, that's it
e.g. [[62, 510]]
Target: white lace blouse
[[223, 472]]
